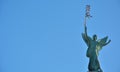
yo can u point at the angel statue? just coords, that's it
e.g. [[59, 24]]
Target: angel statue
[[94, 46]]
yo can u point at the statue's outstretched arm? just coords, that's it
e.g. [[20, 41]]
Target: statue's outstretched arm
[[103, 41], [107, 43], [86, 36]]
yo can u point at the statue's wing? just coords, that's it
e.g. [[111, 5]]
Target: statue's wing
[[84, 38], [101, 42]]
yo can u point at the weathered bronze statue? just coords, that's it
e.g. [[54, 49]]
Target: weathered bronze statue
[[94, 46]]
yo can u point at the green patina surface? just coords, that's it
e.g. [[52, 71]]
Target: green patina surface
[[94, 46]]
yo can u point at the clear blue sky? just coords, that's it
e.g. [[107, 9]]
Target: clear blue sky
[[45, 35]]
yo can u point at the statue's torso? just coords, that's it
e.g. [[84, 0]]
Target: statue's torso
[[91, 51]]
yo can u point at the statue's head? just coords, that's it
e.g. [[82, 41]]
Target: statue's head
[[95, 37]]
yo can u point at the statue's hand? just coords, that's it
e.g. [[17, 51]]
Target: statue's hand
[[109, 41]]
